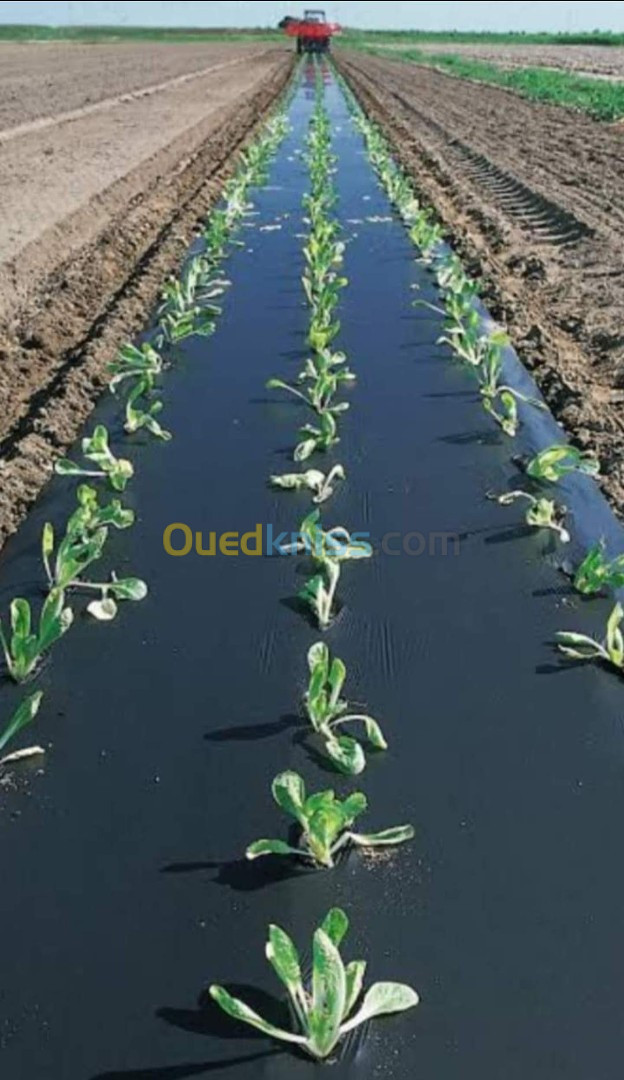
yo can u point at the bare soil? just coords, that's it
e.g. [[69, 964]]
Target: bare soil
[[50, 78], [533, 196], [606, 62], [96, 210]]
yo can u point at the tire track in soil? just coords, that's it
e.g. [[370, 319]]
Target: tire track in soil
[[528, 192], [529, 209]]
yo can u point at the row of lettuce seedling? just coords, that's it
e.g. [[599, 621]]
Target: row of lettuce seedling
[[323, 1012], [481, 351], [187, 308]]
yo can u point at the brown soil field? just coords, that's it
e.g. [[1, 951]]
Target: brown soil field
[[606, 62], [47, 79], [533, 197], [110, 156]]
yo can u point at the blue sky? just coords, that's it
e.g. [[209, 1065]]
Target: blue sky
[[386, 14]]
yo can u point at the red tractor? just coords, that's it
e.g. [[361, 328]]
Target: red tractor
[[313, 32]]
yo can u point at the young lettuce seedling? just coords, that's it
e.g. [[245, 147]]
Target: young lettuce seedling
[[314, 438], [467, 342], [138, 418], [322, 331], [541, 514], [24, 649], [86, 533], [596, 573], [611, 650], [23, 715], [453, 280], [110, 592], [318, 396], [323, 252], [427, 234], [325, 823], [497, 396], [557, 461], [96, 449], [218, 236], [73, 561], [460, 312], [312, 480], [188, 306], [327, 712], [328, 550], [132, 362], [143, 365], [323, 295], [326, 362], [85, 537], [324, 1009]]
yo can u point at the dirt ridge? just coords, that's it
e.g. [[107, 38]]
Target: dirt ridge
[[55, 347]]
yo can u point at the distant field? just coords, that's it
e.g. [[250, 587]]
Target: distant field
[[27, 32], [572, 81], [416, 37], [589, 60]]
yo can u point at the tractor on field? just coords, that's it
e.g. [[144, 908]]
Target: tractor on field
[[313, 32]]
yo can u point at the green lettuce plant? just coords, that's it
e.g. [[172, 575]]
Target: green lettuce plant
[[317, 437], [24, 646], [557, 461], [318, 395], [324, 1010], [188, 302], [328, 550], [132, 362], [105, 607], [23, 715], [471, 345], [325, 824], [328, 712], [323, 485], [218, 236], [454, 281], [86, 533], [139, 417], [597, 573], [325, 362], [142, 366], [220, 228], [611, 650], [84, 541], [500, 400], [426, 234], [323, 329], [96, 449], [541, 513]]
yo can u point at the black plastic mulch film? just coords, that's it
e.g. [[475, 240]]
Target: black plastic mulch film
[[125, 892]]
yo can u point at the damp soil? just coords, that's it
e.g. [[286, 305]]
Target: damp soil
[[532, 196], [125, 890]]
